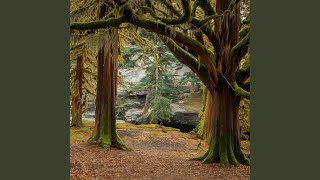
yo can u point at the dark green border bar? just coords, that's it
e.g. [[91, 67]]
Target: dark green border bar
[[34, 90], [285, 119]]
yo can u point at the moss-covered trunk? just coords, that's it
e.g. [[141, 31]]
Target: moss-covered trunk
[[105, 127], [222, 129], [76, 109], [222, 107], [104, 132], [202, 113]]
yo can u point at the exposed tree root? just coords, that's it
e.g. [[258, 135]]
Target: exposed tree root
[[225, 152], [107, 142]]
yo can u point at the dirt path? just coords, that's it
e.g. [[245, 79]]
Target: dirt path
[[158, 153]]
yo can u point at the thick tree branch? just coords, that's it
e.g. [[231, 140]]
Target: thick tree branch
[[206, 29], [245, 69], [188, 60], [173, 21], [158, 27], [171, 8], [244, 22], [207, 7], [180, 37], [111, 22], [244, 31], [239, 91], [246, 82], [75, 46], [241, 46]]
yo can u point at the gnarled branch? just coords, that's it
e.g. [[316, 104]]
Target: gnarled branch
[[188, 60], [239, 91], [173, 21], [158, 27]]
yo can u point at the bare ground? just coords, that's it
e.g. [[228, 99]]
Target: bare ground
[[157, 153]]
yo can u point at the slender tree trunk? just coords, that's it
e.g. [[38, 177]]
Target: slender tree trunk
[[157, 77], [76, 110], [104, 132], [222, 108], [105, 127], [202, 113], [146, 104]]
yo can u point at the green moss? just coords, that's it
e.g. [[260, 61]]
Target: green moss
[[85, 129], [239, 91], [154, 134], [155, 126], [226, 151], [213, 152], [244, 116], [118, 143], [202, 113], [88, 123], [185, 136], [111, 22], [172, 21], [223, 152]]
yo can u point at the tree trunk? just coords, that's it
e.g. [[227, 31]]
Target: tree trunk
[[146, 104], [157, 76], [202, 113], [222, 129], [104, 132], [222, 108], [105, 125], [76, 110]]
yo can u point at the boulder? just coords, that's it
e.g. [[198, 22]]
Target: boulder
[[132, 115]]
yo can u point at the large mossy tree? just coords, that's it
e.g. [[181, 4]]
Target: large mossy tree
[[106, 44], [211, 39], [105, 123]]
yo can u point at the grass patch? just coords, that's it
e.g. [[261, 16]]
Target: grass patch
[[124, 125], [154, 134], [184, 136], [88, 123], [84, 133], [156, 126]]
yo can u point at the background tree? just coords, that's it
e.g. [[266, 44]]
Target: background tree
[[190, 77], [107, 56], [82, 78], [159, 82], [211, 39]]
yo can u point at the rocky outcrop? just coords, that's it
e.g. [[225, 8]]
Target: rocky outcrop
[[133, 115], [130, 106]]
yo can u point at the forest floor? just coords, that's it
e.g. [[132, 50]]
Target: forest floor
[[157, 153]]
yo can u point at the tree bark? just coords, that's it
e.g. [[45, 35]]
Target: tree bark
[[76, 110], [222, 108], [146, 104], [105, 125], [222, 129]]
